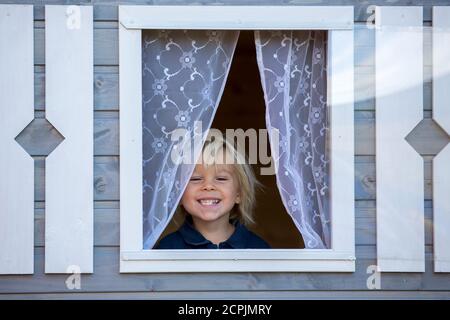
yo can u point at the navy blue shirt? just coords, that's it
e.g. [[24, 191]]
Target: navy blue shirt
[[187, 237]]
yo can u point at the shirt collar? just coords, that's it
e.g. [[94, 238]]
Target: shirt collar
[[195, 238], [237, 239], [190, 234]]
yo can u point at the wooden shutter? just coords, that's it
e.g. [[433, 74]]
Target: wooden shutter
[[16, 165], [69, 168], [399, 108], [441, 114]]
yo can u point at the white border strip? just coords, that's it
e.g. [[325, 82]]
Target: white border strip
[[399, 168], [69, 94], [441, 114], [133, 258], [237, 17], [16, 165], [130, 82], [340, 90]]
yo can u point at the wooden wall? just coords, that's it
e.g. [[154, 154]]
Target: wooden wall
[[106, 281]]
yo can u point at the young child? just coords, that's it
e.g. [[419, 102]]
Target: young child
[[217, 203]]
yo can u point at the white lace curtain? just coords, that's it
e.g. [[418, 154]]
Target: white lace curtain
[[292, 67], [184, 73]]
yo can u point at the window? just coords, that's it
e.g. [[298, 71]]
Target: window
[[338, 21]]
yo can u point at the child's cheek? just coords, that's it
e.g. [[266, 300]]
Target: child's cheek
[[184, 200]]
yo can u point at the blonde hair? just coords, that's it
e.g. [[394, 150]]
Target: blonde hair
[[210, 155]]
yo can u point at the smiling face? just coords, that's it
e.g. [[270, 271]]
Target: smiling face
[[211, 193]]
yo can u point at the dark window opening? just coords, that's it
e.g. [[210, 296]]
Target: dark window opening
[[242, 106]]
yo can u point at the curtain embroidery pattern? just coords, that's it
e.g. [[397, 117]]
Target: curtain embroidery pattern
[[293, 73], [183, 76]]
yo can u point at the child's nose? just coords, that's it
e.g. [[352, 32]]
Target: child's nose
[[208, 185]]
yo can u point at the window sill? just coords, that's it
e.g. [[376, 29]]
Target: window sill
[[255, 260]]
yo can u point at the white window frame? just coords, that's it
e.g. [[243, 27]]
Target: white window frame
[[338, 20]]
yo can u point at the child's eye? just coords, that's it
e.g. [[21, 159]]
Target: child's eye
[[222, 178], [195, 179]]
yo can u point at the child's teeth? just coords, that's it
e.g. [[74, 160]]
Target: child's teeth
[[209, 202]]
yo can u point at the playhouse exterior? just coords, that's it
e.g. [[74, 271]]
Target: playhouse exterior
[[68, 187]]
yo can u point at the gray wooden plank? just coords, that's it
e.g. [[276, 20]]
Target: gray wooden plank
[[107, 11], [106, 225], [365, 176], [106, 278], [106, 49], [109, 205], [106, 133], [361, 12], [106, 92], [364, 88], [101, 12], [428, 138], [365, 46], [106, 178], [67, 2], [106, 53], [40, 24], [106, 45], [366, 208], [427, 141], [41, 137], [365, 184], [106, 88], [232, 295]]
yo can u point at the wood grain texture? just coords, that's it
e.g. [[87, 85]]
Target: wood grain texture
[[108, 283], [106, 10], [69, 168], [441, 114], [106, 178], [106, 71], [106, 223], [106, 278], [427, 142], [132, 19], [130, 69], [232, 17], [233, 295], [399, 168], [16, 165], [340, 101]]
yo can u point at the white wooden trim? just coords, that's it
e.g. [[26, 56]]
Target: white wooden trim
[[69, 210], [130, 82], [441, 114], [341, 258], [239, 254], [257, 260], [227, 265], [237, 17], [16, 165], [399, 108], [340, 99]]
